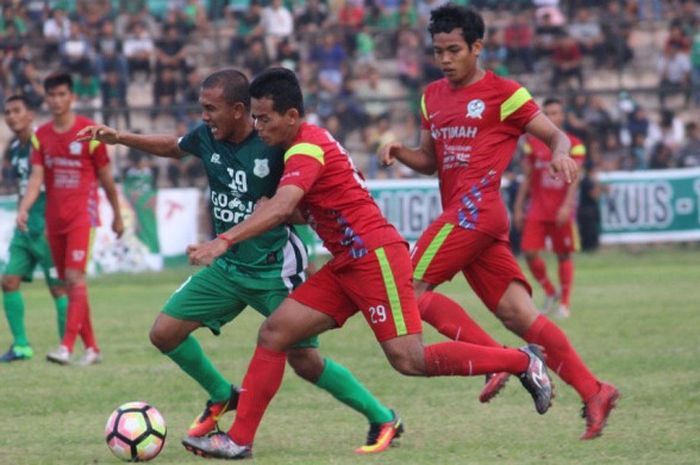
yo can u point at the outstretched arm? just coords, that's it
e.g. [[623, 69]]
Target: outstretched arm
[[161, 145], [420, 159], [266, 216], [562, 164]]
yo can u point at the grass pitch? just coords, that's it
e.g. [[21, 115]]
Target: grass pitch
[[636, 322]]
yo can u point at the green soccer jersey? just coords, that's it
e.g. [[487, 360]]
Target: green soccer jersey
[[239, 175], [19, 157]]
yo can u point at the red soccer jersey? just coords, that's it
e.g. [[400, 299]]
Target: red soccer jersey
[[70, 175], [547, 193], [336, 202], [475, 130]]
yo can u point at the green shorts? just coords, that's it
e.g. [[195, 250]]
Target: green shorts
[[213, 298], [26, 252]]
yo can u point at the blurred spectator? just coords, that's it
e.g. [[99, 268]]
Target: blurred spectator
[[661, 157], [350, 111], [374, 92], [189, 100], [87, 92], [30, 84], [674, 74], [277, 23], [566, 62], [364, 47], [76, 50], [689, 154], [256, 59], [494, 54], [56, 29], [695, 67], [651, 10], [312, 18], [351, 20], [546, 35], [328, 58], [518, 37], [194, 15], [113, 87], [165, 89], [588, 213], [138, 50], [125, 22], [93, 13], [616, 30], [288, 55], [246, 29], [13, 16], [588, 34], [669, 131], [381, 133], [410, 60], [170, 51], [677, 38]]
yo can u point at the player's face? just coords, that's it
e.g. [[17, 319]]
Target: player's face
[[555, 112], [217, 113], [454, 57], [59, 100], [273, 128], [17, 116]]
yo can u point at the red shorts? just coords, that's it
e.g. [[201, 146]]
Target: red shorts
[[565, 239], [71, 249], [378, 284], [444, 249]]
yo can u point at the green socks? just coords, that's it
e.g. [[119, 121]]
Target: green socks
[[61, 304], [341, 384], [14, 310], [190, 357]]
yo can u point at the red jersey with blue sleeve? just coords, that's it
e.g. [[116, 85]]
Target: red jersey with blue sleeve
[[547, 193], [475, 130], [70, 175], [336, 202]]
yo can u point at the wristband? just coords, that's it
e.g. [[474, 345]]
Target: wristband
[[229, 242]]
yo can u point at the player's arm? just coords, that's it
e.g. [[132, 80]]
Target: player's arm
[[162, 145], [521, 196], [567, 206], [562, 164], [104, 173], [266, 216], [420, 159], [36, 179]]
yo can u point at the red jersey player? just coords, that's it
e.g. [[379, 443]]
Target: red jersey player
[[471, 122], [370, 272], [70, 171], [550, 213]]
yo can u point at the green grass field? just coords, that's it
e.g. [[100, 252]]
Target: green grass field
[[636, 321]]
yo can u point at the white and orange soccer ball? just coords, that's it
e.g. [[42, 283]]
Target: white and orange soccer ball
[[135, 432]]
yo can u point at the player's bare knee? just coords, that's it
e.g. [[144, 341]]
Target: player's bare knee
[[10, 283], [271, 336], [306, 364]]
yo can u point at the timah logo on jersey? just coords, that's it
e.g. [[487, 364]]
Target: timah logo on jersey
[[262, 168], [215, 159], [475, 108], [75, 148]]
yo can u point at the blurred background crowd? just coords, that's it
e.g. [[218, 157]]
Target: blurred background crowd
[[628, 70]]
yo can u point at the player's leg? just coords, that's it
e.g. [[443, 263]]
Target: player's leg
[[20, 264], [532, 242], [57, 288], [442, 251], [209, 299], [498, 281], [565, 241]]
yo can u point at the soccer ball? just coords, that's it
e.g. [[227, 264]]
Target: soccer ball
[[135, 432]]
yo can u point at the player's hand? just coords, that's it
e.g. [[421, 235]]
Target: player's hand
[[518, 219], [204, 254], [118, 226], [565, 167], [387, 152], [22, 217], [98, 132], [563, 216]]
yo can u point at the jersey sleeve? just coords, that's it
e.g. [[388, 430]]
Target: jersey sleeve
[[302, 166], [578, 150], [36, 157], [518, 107], [192, 141], [98, 154], [424, 123]]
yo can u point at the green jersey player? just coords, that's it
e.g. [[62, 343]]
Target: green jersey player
[[259, 273], [27, 249]]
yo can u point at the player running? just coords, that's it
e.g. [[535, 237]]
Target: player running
[[69, 170], [551, 213], [370, 272], [27, 248], [471, 122], [260, 272]]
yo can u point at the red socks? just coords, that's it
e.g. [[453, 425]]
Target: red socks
[[78, 318], [261, 382], [451, 320], [566, 277], [462, 359], [538, 268], [562, 357]]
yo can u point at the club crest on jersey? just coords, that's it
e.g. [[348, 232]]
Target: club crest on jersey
[[475, 108], [262, 168], [75, 148], [215, 158]]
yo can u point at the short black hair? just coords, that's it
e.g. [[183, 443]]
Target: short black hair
[[552, 101], [20, 98], [234, 84], [281, 86], [449, 17], [58, 79]]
